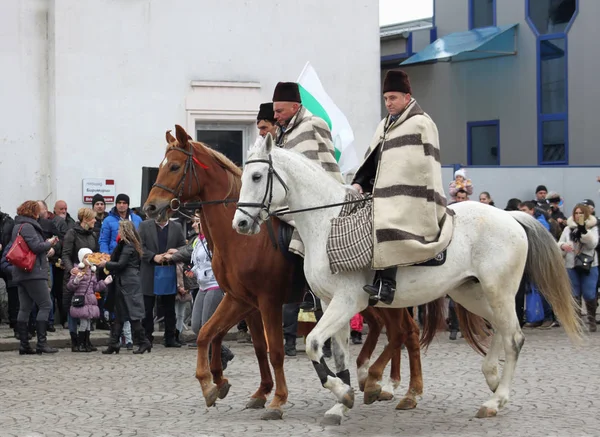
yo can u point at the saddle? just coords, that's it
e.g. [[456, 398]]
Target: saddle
[[439, 260]]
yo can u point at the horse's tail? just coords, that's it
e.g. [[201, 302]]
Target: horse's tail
[[474, 329], [433, 321], [545, 268]]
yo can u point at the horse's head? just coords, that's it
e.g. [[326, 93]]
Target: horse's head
[[177, 180], [263, 189]]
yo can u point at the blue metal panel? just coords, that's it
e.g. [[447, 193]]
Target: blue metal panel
[[472, 124], [399, 56], [486, 42]]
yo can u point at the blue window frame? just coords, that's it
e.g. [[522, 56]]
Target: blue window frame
[[550, 20], [482, 13], [483, 142]]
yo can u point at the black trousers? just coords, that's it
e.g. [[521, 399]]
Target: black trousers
[[520, 302], [13, 305], [167, 304], [453, 317]]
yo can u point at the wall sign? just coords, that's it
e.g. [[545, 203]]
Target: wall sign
[[106, 187]]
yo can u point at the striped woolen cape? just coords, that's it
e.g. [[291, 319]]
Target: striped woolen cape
[[310, 136], [411, 223]]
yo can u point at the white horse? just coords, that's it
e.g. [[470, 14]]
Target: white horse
[[490, 252]]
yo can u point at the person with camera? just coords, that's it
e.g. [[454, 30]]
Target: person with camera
[[32, 283], [578, 243]]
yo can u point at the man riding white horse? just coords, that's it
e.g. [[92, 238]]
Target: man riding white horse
[[299, 130], [402, 169]]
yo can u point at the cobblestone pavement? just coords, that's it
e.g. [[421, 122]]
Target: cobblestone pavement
[[555, 394]]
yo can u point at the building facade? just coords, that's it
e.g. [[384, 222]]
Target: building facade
[[524, 97], [89, 88]]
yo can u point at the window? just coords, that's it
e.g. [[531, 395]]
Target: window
[[553, 76], [483, 142], [482, 13], [554, 136], [551, 16], [230, 140]]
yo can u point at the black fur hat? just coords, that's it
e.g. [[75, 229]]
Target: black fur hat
[[397, 80], [266, 112], [287, 92]]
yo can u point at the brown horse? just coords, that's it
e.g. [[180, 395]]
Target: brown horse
[[256, 287]]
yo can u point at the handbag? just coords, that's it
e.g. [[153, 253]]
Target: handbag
[[583, 262], [20, 255], [534, 308], [165, 280], [78, 301]]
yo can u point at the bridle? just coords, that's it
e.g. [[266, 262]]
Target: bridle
[[265, 206], [175, 203]]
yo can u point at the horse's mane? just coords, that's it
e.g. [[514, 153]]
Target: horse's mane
[[233, 171]]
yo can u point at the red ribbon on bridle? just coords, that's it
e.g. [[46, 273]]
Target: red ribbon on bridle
[[197, 161]]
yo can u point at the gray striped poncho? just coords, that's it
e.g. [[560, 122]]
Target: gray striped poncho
[[310, 136], [411, 222]]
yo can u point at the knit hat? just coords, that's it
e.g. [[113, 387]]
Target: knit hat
[[541, 188], [589, 202], [81, 255], [460, 172], [397, 80], [98, 198], [287, 92], [122, 198], [553, 197]]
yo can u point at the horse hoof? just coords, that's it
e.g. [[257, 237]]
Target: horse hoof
[[331, 420], [256, 403], [406, 404], [361, 385], [272, 414], [223, 390], [348, 398], [372, 395], [385, 396], [211, 397], [486, 412]]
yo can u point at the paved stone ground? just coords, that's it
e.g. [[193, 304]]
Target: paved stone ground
[[555, 394]]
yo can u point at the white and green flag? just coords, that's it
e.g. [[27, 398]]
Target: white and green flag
[[317, 101]]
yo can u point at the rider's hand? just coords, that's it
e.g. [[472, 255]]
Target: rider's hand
[[358, 188]]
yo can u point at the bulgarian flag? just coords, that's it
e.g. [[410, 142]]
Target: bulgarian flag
[[315, 99]]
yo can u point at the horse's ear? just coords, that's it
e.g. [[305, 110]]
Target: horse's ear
[[182, 136], [170, 138], [268, 144]]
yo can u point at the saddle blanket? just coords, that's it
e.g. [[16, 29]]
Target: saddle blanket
[[350, 242]]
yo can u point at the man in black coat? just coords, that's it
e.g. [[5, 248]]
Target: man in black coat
[[157, 239]]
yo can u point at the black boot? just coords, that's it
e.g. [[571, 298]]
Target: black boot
[[74, 342], [42, 339], [226, 356], [170, 339], [24, 347], [356, 337], [139, 336], [89, 344], [81, 346], [384, 286], [290, 346], [178, 337], [114, 346]]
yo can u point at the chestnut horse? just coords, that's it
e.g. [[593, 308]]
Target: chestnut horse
[[258, 286]]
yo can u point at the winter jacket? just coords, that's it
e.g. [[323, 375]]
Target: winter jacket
[[87, 286], [183, 257], [34, 237], [77, 238], [110, 229], [124, 265], [98, 224], [584, 238], [62, 224], [202, 266], [540, 217]]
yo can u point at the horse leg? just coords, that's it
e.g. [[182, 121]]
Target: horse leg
[[363, 360], [415, 386], [229, 312], [490, 363], [255, 325], [339, 346], [273, 323], [335, 318]]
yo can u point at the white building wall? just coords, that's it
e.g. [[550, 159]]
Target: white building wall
[[121, 74], [24, 152]]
